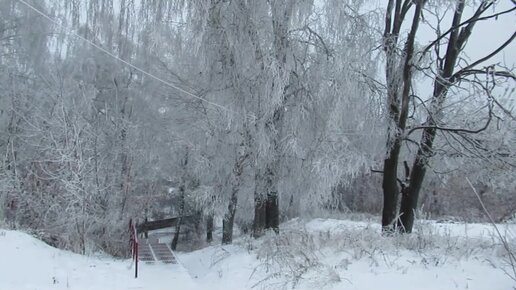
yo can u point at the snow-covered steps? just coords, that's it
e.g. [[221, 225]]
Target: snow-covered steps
[[145, 253], [152, 250]]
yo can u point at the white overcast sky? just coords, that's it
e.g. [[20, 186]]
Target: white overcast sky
[[486, 36]]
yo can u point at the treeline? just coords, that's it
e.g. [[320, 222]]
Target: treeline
[[248, 111]]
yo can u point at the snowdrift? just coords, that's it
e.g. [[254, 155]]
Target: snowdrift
[[28, 263]]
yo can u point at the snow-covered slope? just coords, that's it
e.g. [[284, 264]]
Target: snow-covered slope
[[338, 254], [27, 263], [316, 254]]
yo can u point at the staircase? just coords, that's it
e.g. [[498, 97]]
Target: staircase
[[152, 250]]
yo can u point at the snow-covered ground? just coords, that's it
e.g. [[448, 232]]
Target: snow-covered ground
[[315, 254], [337, 254], [29, 264]]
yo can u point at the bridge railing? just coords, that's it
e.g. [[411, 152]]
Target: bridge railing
[[133, 244]]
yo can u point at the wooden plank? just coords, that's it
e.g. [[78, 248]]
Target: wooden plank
[[160, 224]]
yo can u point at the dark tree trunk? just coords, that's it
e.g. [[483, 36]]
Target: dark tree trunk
[[455, 44], [271, 203], [260, 215], [281, 14], [209, 229], [146, 233], [411, 194], [390, 190], [398, 103], [175, 240], [272, 212], [229, 218], [260, 209], [266, 207], [182, 192]]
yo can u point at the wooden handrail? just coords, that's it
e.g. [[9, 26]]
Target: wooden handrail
[[160, 224]]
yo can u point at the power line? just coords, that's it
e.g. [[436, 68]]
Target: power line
[[38, 11]]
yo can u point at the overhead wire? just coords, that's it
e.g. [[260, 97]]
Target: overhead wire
[[107, 52]]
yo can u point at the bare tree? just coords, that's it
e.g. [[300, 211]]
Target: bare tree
[[448, 71]]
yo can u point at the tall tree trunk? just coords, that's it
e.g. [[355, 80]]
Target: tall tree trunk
[[271, 203], [281, 15], [175, 240], [390, 164], [229, 218], [272, 212], [266, 207], [442, 83], [260, 214], [398, 102], [182, 193], [390, 189], [209, 229], [410, 196]]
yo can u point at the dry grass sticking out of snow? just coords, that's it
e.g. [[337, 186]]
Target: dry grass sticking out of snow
[[337, 254], [322, 254], [325, 254]]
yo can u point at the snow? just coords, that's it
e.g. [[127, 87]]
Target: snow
[[27, 263], [314, 254], [457, 229], [438, 256]]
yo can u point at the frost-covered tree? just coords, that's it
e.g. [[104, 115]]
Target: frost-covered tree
[[416, 118], [73, 120], [290, 77], [23, 55]]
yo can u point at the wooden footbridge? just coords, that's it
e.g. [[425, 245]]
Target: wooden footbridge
[[152, 247]]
